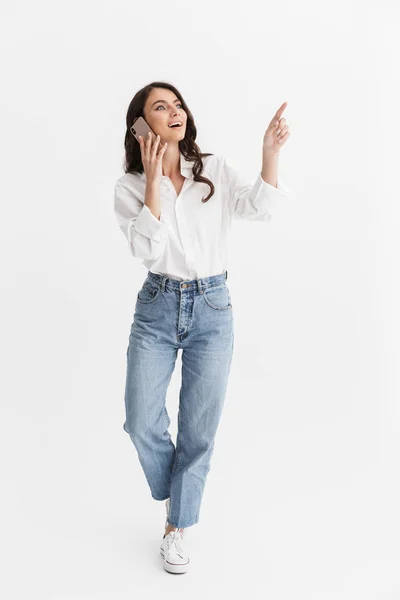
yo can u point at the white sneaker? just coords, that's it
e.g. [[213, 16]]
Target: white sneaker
[[175, 558]]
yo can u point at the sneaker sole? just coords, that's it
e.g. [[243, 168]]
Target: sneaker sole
[[175, 568]]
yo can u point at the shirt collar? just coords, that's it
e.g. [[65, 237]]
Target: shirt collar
[[186, 167]]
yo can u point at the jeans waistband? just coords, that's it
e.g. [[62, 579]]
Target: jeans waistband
[[191, 285]]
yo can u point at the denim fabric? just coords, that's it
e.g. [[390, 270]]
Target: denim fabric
[[195, 316]]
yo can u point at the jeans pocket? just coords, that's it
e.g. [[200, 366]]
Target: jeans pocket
[[148, 293], [218, 297]]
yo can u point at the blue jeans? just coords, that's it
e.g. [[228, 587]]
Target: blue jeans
[[195, 316]]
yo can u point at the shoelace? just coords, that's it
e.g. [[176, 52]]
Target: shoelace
[[173, 541]]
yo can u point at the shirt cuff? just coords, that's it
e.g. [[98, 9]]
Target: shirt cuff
[[148, 225], [282, 187], [270, 195]]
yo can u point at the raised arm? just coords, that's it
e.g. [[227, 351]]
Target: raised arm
[[257, 201]]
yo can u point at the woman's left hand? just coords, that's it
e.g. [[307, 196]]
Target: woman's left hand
[[277, 133]]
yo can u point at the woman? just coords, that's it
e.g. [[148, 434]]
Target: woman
[[175, 206]]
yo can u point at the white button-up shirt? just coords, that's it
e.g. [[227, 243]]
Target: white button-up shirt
[[190, 241]]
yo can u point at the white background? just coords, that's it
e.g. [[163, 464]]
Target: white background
[[302, 497]]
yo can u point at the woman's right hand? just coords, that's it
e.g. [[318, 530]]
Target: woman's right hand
[[152, 156]]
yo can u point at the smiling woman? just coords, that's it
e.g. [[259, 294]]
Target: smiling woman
[[161, 105], [184, 302]]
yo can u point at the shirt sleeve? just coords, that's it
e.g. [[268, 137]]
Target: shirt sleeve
[[252, 201], [146, 235]]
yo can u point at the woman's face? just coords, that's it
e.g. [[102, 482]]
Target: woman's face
[[159, 114]]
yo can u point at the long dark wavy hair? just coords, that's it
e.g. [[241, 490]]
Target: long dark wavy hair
[[188, 147]]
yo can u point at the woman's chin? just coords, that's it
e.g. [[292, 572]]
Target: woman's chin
[[179, 133]]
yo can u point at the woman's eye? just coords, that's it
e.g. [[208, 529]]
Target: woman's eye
[[161, 106]]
